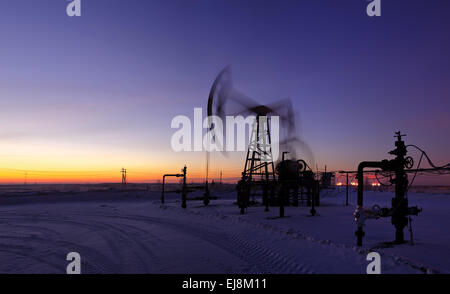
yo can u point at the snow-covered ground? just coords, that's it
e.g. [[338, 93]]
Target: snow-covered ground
[[131, 232]]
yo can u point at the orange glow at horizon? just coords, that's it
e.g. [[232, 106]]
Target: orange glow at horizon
[[57, 162], [12, 176]]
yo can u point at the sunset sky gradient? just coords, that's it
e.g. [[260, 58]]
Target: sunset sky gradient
[[82, 97]]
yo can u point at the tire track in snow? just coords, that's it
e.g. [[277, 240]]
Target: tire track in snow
[[260, 259], [125, 241], [133, 243], [93, 260], [390, 259]]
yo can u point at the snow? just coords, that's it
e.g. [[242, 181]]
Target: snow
[[131, 232]]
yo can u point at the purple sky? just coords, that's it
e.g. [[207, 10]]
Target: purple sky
[[110, 81]]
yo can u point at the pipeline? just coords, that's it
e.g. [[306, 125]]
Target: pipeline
[[399, 210], [359, 214], [184, 189], [384, 165]]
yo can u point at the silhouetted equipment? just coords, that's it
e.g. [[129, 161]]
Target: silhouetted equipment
[[346, 189], [410, 231], [400, 211], [124, 176], [259, 167], [326, 179], [216, 95], [295, 181], [183, 189], [258, 175], [206, 195], [346, 185]]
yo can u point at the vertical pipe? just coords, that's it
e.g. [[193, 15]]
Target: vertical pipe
[[162, 195], [184, 192], [359, 231], [346, 198], [313, 197], [360, 175], [281, 199]]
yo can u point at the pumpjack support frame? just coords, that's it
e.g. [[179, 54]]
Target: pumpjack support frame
[[259, 170]]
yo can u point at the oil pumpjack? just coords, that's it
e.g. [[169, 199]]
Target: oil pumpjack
[[259, 173]]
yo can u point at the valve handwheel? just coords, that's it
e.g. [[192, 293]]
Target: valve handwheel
[[409, 162]]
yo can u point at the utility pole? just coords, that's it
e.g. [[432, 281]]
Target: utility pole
[[124, 176], [220, 178]]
